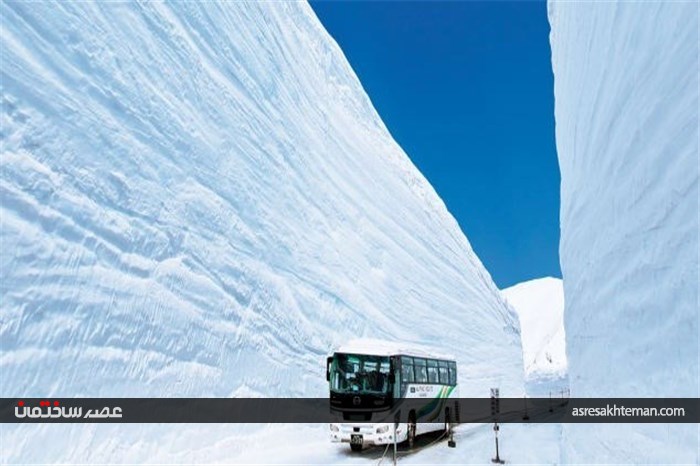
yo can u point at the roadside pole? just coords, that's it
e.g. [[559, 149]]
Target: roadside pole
[[495, 410], [396, 423]]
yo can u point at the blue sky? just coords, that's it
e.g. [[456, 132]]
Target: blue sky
[[466, 88]]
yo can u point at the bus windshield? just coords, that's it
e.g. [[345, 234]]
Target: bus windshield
[[359, 373]]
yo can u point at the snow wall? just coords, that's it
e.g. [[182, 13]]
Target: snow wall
[[626, 92], [539, 305], [199, 199]]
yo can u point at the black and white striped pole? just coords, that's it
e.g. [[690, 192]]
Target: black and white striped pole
[[495, 410], [396, 425]]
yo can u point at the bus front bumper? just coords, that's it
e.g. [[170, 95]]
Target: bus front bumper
[[367, 434]]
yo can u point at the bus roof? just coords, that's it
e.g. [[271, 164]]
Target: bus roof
[[390, 348]]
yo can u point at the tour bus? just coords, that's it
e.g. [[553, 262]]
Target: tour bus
[[370, 378]]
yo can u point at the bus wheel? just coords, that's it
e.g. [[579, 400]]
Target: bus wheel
[[411, 434], [355, 447]]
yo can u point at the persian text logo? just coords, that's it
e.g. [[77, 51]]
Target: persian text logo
[[45, 410]]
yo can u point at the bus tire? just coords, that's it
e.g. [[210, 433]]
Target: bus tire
[[411, 430], [355, 447]]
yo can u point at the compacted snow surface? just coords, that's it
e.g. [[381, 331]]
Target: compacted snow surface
[[199, 200]]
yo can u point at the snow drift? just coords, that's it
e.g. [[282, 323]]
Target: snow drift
[[198, 199], [540, 307], [626, 89]]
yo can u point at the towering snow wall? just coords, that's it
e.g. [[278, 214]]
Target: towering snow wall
[[626, 91], [539, 305], [198, 199]]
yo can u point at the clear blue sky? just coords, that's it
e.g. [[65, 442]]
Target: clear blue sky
[[466, 88]]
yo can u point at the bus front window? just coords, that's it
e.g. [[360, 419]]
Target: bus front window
[[359, 373]]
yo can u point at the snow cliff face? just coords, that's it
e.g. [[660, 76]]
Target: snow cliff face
[[198, 199], [626, 89], [540, 307]]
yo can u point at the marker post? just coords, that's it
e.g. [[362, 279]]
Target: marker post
[[396, 424], [495, 410], [450, 435], [526, 416]]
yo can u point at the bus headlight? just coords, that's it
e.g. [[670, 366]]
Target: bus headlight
[[334, 428], [383, 429]]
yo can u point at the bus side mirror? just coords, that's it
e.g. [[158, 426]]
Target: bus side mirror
[[329, 360], [392, 377]]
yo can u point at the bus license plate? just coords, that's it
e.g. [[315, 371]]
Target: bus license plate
[[356, 440]]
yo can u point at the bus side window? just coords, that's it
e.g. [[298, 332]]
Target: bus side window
[[407, 370], [444, 373], [453, 373], [433, 371], [421, 372]]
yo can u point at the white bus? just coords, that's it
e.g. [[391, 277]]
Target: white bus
[[370, 378]]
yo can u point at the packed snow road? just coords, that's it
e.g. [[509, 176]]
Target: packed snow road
[[475, 444], [308, 444]]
